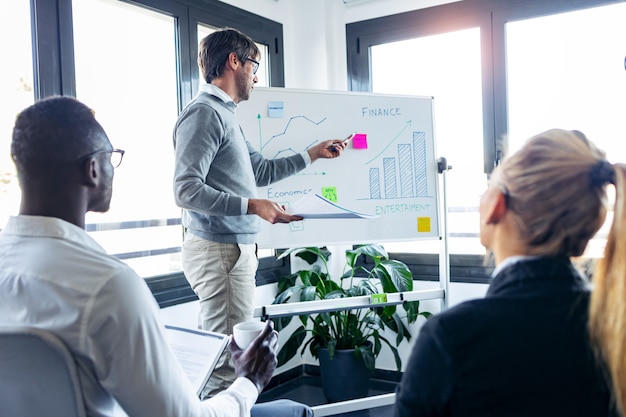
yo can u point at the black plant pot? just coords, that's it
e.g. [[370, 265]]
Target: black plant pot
[[345, 377]]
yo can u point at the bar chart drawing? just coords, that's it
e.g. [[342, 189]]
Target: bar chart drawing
[[408, 169]]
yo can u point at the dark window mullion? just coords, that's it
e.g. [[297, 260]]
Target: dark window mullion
[[47, 60], [66, 42], [218, 14]]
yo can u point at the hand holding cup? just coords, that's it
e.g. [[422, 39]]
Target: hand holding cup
[[246, 331], [257, 361]]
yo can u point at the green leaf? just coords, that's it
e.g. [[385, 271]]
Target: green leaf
[[304, 319], [324, 288], [312, 254], [307, 276], [396, 356], [351, 257], [286, 282], [281, 323], [284, 296], [337, 293], [313, 345], [359, 290], [377, 346], [388, 311], [370, 286], [332, 344], [361, 271], [372, 250], [400, 329], [368, 357], [426, 314], [288, 252], [412, 310], [308, 293], [290, 348], [395, 276]]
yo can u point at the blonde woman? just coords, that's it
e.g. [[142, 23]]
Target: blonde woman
[[607, 321], [524, 349]]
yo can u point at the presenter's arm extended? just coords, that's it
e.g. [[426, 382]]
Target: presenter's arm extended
[[275, 213]]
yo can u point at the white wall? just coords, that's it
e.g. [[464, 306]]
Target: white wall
[[314, 34]]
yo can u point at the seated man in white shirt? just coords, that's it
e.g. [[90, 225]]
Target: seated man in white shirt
[[54, 276]]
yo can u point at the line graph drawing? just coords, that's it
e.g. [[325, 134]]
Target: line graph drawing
[[284, 132], [406, 126]]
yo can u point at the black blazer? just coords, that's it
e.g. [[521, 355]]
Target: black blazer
[[523, 350]]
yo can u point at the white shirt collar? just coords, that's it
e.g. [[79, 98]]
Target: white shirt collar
[[41, 226], [511, 260], [217, 92]]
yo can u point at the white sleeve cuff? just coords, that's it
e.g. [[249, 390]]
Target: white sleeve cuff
[[306, 157]]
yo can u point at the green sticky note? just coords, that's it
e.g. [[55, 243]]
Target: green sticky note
[[330, 193], [379, 298]]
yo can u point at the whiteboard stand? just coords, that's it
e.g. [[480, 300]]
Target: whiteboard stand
[[350, 303], [444, 255], [319, 306]]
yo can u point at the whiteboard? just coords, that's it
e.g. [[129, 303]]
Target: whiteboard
[[389, 170]]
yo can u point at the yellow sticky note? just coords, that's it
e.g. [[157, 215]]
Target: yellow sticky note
[[330, 193], [423, 224]]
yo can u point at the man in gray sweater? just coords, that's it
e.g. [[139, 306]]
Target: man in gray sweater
[[216, 176]]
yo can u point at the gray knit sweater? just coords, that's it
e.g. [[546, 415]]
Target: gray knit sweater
[[217, 171]]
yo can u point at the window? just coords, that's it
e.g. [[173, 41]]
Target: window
[[134, 63], [16, 93], [129, 79], [446, 67], [497, 69], [567, 71]]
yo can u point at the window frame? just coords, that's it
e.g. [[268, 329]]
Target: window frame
[[261, 30], [490, 16], [54, 63]]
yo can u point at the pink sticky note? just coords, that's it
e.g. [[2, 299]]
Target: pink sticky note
[[359, 141]]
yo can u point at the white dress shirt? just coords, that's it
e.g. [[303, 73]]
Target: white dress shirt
[[54, 276]]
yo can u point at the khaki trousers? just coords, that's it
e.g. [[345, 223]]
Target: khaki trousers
[[222, 275]]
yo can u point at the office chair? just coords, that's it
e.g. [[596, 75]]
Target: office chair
[[38, 375]]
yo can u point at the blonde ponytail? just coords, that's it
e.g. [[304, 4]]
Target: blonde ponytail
[[607, 319]]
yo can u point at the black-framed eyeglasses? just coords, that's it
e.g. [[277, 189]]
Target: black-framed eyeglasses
[[116, 156], [255, 64]]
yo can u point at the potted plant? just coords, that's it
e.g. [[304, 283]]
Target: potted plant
[[358, 331]]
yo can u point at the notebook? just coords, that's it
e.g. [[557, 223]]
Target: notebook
[[197, 351]]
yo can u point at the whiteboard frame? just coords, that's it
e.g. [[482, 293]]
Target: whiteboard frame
[[264, 132]]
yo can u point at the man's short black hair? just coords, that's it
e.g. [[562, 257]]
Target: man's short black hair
[[51, 131]]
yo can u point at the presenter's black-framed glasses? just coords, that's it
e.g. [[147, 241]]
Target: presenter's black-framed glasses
[[255, 65], [116, 156]]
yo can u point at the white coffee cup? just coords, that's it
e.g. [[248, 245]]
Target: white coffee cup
[[246, 331]]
